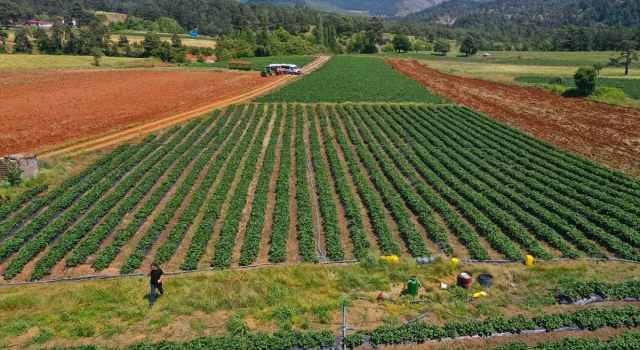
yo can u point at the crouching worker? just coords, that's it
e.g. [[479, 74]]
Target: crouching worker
[[156, 274]]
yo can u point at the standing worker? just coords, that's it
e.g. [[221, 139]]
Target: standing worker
[[413, 286], [156, 274]]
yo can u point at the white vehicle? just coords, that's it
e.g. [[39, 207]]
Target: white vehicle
[[288, 68]]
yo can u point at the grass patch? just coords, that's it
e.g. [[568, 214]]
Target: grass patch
[[23, 62], [261, 62], [354, 79], [630, 86]]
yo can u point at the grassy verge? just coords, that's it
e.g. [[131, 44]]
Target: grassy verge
[[303, 297], [22, 62], [358, 79], [629, 85]]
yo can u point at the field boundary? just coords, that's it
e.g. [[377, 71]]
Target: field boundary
[[267, 264], [145, 128]]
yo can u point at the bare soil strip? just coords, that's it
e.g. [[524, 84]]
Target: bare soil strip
[[292, 242], [318, 228], [147, 127], [598, 131]]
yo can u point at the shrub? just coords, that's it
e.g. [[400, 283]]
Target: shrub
[[388, 48], [585, 79], [609, 95]]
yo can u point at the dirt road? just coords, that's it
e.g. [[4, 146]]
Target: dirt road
[[601, 132]]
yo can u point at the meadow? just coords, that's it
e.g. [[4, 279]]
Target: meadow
[[629, 85], [354, 79], [23, 62]]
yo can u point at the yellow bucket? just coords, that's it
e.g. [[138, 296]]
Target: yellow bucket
[[390, 258], [528, 260], [454, 262]]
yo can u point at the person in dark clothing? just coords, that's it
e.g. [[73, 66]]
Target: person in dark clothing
[[156, 274]]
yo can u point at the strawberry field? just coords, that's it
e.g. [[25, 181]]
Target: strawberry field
[[274, 183]]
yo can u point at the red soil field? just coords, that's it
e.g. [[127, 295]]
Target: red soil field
[[598, 131], [44, 108]]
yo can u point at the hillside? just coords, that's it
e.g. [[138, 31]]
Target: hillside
[[372, 7], [542, 13]]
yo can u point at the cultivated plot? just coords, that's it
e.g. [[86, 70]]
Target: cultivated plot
[[275, 183]]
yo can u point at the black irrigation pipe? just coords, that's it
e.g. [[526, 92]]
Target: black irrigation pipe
[[112, 276], [280, 264]]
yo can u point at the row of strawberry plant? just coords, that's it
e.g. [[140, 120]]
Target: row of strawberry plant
[[149, 171], [530, 188], [231, 223], [200, 239], [453, 219], [372, 203], [23, 198], [104, 163], [572, 290], [451, 155], [188, 216], [160, 223], [417, 205], [71, 194], [94, 240], [408, 230], [420, 159], [538, 220], [255, 225], [328, 208], [281, 219], [519, 191], [463, 184], [562, 159], [303, 196], [77, 211], [627, 340], [568, 168], [419, 332], [347, 197]]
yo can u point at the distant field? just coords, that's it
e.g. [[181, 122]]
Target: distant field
[[532, 58], [261, 62], [352, 79], [186, 40], [629, 85], [20, 62]]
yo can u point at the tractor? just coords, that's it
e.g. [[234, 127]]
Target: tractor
[[270, 71]]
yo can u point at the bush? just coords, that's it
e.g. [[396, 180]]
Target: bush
[[585, 79], [609, 95], [388, 48]]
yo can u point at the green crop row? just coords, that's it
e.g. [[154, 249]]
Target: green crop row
[[203, 233], [281, 220], [95, 238], [23, 198], [390, 197], [354, 79], [419, 332], [306, 222], [328, 208], [71, 214], [369, 198], [47, 199], [347, 198], [71, 193], [231, 224], [255, 225], [188, 216], [572, 290]]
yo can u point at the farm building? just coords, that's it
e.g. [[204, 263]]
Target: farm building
[[27, 162]]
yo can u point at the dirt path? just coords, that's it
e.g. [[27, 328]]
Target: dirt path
[[147, 127], [598, 131]]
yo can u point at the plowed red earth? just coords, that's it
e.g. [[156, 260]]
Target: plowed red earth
[[44, 108], [601, 132]]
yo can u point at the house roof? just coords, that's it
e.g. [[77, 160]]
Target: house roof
[[36, 21]]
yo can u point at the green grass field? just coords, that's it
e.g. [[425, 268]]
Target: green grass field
[[20, 62], [261, 62], [630, 86], [354, 79]]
